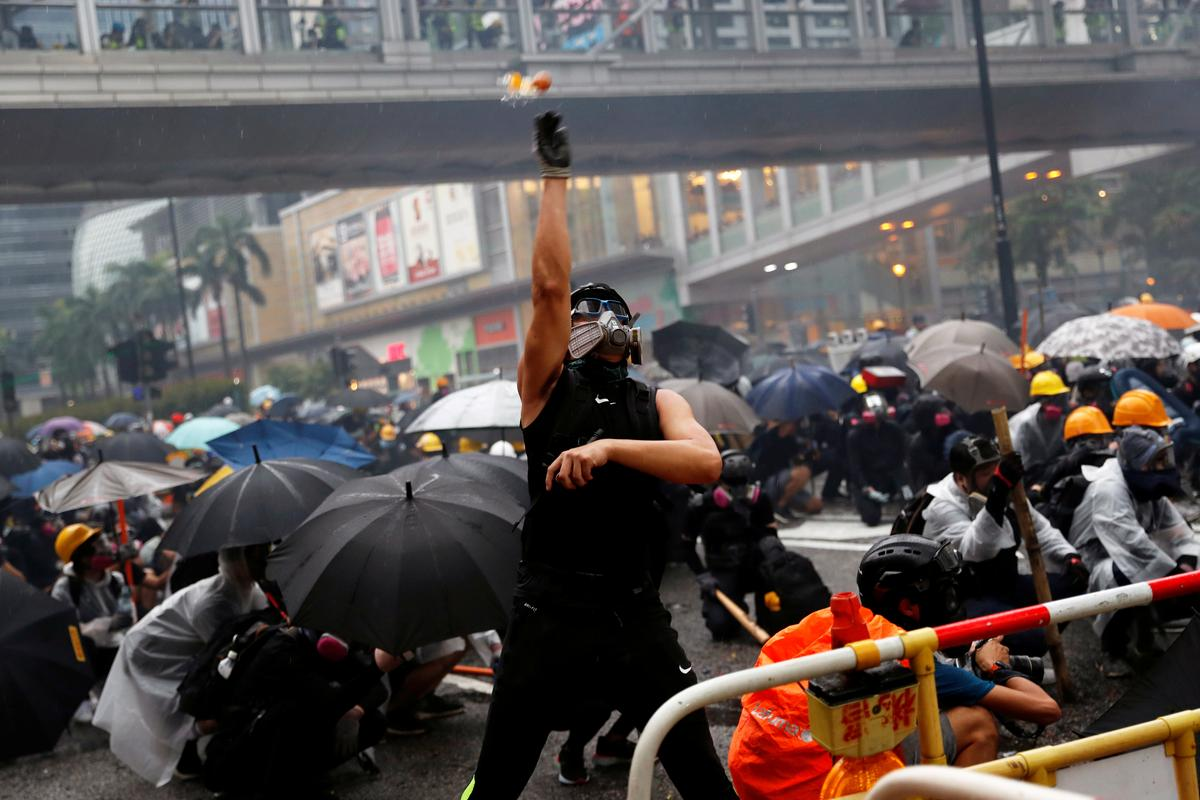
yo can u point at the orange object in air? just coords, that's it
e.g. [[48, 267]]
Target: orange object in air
[[773, 755], [1164, 315]]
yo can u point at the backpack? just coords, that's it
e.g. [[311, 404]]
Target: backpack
[[912, 517], [794, 578], [203, 693], [1061, 501], [75, 586]]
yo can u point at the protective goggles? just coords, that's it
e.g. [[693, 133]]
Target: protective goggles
[[588, 307], [1164, 459]]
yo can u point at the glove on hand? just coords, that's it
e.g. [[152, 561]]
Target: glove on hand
[[708, 585], [1008, 472], [1077, 574], [551, 146]]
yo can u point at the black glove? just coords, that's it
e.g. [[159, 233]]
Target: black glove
[[127, 552], [1077, 574], [551, 145], [1008, 472], [120, 622], [708, 585]]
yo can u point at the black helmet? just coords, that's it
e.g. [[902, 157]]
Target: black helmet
[[905, 566], [736, 467], [972, 453], [596, 291]]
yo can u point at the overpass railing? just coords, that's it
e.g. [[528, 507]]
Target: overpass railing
[[586, 27]]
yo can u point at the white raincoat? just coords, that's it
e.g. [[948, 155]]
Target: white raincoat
[[1034, 438], [140, 704], [948, 519], [1111, 529]]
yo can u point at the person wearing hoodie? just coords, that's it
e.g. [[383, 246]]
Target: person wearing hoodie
[[927, 455], [970, 508], [140, 704], [1037, 431], [1128, 530]]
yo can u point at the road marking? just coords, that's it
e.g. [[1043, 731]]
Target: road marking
[[468, 684], [817, 544]]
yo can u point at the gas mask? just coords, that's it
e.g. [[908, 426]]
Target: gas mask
[[942, 419], [606, 336], [1052, 413]]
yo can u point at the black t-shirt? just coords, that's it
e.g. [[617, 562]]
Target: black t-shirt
[[729, 533], [773, 453], [608, 527]]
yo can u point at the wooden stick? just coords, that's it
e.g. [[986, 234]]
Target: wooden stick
[[736, 612], [484, 671], [1041, 585]]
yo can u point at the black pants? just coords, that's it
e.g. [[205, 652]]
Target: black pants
[[870, 511], [735, 584], [1018, 595], [565, 668]]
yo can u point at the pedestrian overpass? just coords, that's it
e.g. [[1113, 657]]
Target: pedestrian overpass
[[134, 99]]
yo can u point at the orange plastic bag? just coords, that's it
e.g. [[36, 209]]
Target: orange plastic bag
[[773, 755]]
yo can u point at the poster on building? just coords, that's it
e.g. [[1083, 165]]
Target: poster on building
[[495, 327], [354, 256], [387, 251], [323, 256], [422, 254], [460, 232]]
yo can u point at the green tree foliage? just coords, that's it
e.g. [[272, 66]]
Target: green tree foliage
[[312, 380], [1156, 216]]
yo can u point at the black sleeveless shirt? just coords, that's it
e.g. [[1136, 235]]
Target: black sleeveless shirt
[[607, 528]]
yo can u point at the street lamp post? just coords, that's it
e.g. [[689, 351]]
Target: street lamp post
[[1008, 283], [900, 270], [183, 309]]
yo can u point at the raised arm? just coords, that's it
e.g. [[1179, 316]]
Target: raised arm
[[550, 329]]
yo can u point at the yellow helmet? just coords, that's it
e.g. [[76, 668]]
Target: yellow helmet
[[859, 384], [1031, 359], [1086, 421], [1047, 384], [877, 325], [388, 433], [1140, 407], [70, 539], [468, 445], [430, 443]]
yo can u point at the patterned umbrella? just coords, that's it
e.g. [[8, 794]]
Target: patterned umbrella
[[1109, 337]]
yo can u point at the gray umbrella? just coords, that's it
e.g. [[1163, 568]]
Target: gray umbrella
[[716, 408], [973, 377], [1109, 337], [110, 481], [966, 332]]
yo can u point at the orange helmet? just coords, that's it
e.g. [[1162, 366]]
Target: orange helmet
[[1086, 421], [1140, 407]]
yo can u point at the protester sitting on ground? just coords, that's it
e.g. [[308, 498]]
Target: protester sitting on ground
[[1128, 530], [933, 421], [97, 593], [139, 706], [875, 461], [413, 702], [778, 456], [970, 509], [1037, 430], [916, 583], [1090, 441], [296, 703], [729, 519]]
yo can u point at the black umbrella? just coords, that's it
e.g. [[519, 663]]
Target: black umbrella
[[1168, 686], [886, 351], [259, 504], [16, 457], [403, 559], [44, 674], [693, 350], [135, 446], [506, 474], [122, 420], [358, 398], [285, 407]]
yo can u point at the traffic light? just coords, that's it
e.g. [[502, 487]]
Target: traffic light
[[8, 388], [341, 363], [125, 352], [143, 359]]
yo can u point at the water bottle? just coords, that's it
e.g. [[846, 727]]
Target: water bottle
[[225, 667]]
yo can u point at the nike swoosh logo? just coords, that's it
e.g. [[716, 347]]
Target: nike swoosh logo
[[683, 671], [602, 400]]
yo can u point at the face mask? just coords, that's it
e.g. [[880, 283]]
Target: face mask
[[1052, 413], [942, 419], [606, 336], [101, 563], [1150, 486], [869, 417], [1169, 380]]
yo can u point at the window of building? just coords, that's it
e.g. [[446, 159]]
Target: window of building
[[805, 188], [846, 184], [890, 176], [695, 203], [731, 216], [764, 195]]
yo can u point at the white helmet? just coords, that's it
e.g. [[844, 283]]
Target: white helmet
[[503, 448], [1191, 353]]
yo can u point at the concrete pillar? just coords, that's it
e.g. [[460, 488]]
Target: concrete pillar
[[783, 185], [528, 37], [757, 20], [677, 212], [881, 27], [88, 25], [714, 217], [1133, 23], [251, 31], [1047, 35], [858, 21], [825, 189], [958, 24], [867, 172], [391, 20], [933, 271], [748, 206]]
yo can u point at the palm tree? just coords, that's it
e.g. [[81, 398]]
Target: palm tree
[[229, 247], [148, 294], [199, 262], [65, 340], [1157, 216]]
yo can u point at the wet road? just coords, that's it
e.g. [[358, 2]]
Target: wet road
[[439, 764]]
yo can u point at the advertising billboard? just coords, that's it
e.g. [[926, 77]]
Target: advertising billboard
[[421, 249], [460, 232], [323, 258], [354, 257], [387, 249]]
